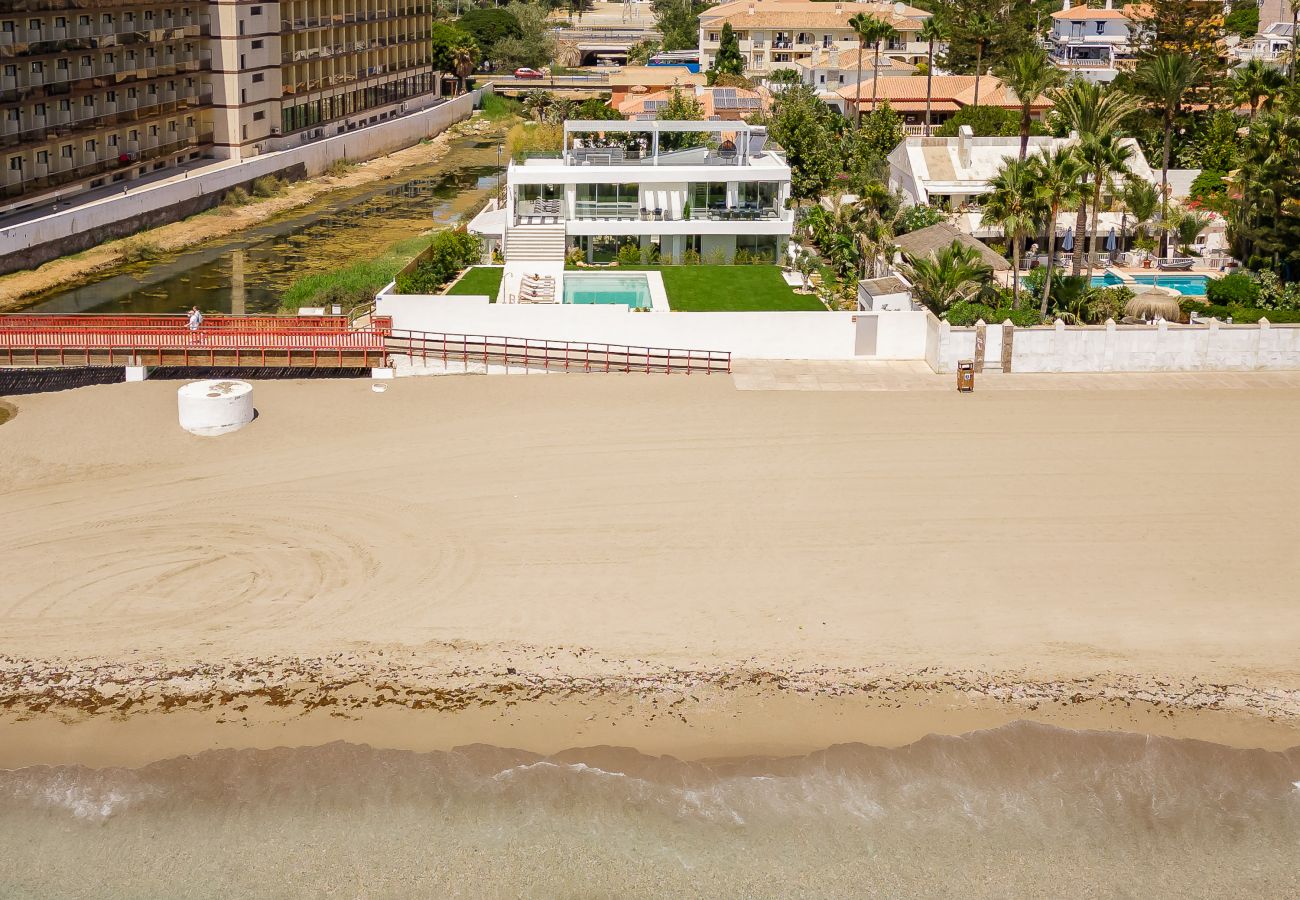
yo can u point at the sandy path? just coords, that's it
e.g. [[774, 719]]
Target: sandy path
[[662, 524]]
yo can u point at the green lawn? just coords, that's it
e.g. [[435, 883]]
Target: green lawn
[[729, 289], [479, 280]]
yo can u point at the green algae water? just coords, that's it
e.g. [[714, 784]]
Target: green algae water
[[1018, 811], [249, 272]]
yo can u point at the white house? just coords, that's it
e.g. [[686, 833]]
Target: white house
[[715, 188], [1094, 43], [828, 71]]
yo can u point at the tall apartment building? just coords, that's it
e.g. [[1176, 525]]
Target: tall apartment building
[[100, 91]]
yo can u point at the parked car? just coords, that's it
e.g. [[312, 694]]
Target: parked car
[[528, 73]]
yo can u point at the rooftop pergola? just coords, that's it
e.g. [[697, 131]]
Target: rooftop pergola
[[743, 132]]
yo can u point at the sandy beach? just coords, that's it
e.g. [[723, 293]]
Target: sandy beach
[[659, 562]]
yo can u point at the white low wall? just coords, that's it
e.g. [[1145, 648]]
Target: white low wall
[[746, 335], [182, 190], [1123, 348]]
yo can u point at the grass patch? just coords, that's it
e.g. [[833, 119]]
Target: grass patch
[[479, 280], [352, 285], [339, 168], [729, 289], [140, 249], [496, 108]]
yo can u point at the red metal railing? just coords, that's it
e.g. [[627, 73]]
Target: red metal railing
[[158, 346], [128, 322], [565, 356]]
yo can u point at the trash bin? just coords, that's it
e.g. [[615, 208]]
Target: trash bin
[[966, 376]]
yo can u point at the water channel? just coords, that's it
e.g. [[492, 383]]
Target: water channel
[[249, 271]]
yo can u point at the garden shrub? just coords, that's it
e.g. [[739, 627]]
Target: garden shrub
[[1238, 289], [574, 257], [448, 253], [650, 255], [629, 255], [690, 257], [236, 196], [968, 312], [268, 186], [742, 258], [1108, 303]]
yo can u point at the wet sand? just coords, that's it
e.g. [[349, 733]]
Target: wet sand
[[665, 563]]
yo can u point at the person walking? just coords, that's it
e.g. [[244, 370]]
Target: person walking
[[195, 320]]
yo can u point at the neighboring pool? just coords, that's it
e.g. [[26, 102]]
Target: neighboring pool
[[1189, 285], [632, 291]]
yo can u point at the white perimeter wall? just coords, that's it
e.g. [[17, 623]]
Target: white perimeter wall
[[747, 335], [364, 143], [1123, 348]]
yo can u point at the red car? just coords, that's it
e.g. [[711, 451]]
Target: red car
[[528, 73]]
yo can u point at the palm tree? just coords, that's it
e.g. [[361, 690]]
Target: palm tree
[[1014, 204], [1090, 109], [1058, 174], [1141, 201], [1257, 83], [981, 28], [1188, 224], [1030, 75], [1164, 81], [947, 276], [862, 27], [931, 33], [464, 60], [1105, 155], [880, 32]]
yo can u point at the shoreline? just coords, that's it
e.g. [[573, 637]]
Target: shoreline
[[100, 714], [21, 289]]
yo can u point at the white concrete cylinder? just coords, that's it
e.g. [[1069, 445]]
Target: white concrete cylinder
[[215, 407]]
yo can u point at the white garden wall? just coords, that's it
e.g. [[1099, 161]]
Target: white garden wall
[[746, 335], [1124, 348]]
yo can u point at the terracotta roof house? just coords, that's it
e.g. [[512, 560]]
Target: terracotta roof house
[[724, 103], [948, 93], [776, 34]]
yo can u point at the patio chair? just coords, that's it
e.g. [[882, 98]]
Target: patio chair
[[659, 214]]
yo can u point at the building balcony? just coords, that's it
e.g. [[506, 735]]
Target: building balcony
[[25, 184], [54, 129]]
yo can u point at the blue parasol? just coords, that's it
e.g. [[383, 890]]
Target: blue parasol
[[1111, 243], [1067, 242]]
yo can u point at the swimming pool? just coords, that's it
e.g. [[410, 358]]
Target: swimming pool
[[1188, 285], [632, 291]]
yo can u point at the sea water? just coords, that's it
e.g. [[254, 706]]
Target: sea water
[[1019, 811]]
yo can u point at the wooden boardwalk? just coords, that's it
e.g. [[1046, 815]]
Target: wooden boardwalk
[[226, 341]]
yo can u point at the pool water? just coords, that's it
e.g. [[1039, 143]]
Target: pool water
[[1188, 285], [632, 291]]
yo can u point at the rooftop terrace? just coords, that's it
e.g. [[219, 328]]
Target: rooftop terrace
[[600, 142]]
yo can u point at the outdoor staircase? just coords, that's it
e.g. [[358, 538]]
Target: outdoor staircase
[[535, 243]]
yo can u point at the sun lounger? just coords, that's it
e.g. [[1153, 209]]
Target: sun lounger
[[1181, 264]]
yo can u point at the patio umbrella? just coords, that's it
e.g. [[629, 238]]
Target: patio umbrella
[[1067, 242], [1111, 243]]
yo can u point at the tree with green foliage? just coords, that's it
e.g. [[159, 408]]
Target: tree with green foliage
[[879, 133], [1141, 201], [986, 32], [681, 107], [1094, 112], [985, 121], [982, 29], [1243, 20], [1191, 29], [596, 108], [784, 76], [639, 53], [728, 61], [951, 275], [1266, 219], [1058, 175], [445, 40], [1257, 83], [1164, 81], [535, 45], [863, 26], [464, 60], [801, 124], [1030, 75], [1014, 204], [678, 21], [932, 33], [1106, 157], [489, 26]]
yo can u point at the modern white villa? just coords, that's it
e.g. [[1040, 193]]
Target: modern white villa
[[700, 190]]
